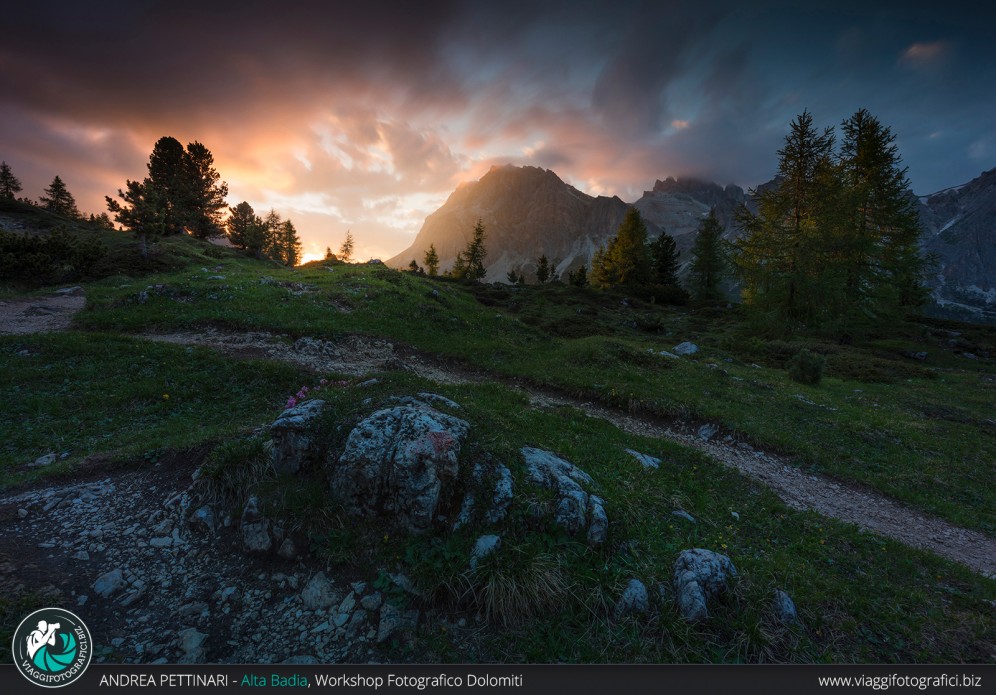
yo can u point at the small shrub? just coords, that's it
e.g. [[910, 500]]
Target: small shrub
[[233, 470], [806, 367]]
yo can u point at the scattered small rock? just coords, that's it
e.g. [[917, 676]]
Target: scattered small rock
[[646, 460], [46, 460], [785, 609], [685, 348], [700, 575], [109, 583], [318, 593], [682, 514], [634, 599], [707, 432], [191, 643], [255, 528]]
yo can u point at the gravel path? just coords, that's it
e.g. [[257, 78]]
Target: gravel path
[[862, 507], [358, 356]]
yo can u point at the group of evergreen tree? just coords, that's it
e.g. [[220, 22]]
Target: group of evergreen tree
[[182, 193], [834, 244], [629, 259], [57, 199], [469, 263], [269, 237]]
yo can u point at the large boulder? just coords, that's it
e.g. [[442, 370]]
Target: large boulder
[[400, 462], [699, 576], [297, 441], [577, 510]]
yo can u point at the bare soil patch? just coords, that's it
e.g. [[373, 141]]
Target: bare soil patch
[[41, 314]]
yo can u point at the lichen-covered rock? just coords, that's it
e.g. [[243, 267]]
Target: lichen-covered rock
[[297, 441], [699, 576], [255, 529], [634, 600], [400, 462], [576, 509], [502, 498]]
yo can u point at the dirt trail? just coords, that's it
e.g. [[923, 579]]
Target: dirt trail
[[862, 507], [41, 314], [359, 356]]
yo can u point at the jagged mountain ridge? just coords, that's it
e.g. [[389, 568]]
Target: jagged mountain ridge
[[527, 212], [530, 211]]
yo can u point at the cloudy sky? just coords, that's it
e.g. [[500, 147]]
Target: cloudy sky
[[365, 116]]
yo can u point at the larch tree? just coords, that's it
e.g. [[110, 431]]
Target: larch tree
[[779, 257], [290, 244], [59, 200], [10, 186], [346, 250], [431, 260], [625, 260]]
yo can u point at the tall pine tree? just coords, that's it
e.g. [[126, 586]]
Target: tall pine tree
[[664, 258], [205, 193], [476, 253], [10, 186], [59, 200], [708, 260]]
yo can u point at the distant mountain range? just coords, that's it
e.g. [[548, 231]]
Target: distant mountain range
[[529, 212]]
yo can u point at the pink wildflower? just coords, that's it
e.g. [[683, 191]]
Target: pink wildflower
[[291, 402]]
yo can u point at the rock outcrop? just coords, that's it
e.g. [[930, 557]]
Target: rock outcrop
[[297, 441], [577, 511], [400, 462], [699, 576]]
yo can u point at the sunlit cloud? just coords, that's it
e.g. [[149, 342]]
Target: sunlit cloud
[[924, 54]]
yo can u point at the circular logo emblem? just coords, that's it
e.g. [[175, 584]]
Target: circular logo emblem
[[52, 647]]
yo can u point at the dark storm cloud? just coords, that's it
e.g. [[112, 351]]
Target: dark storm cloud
[[369, 114]]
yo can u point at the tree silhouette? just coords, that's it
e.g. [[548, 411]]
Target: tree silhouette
[[10, 186], [431, 260], [346, 250], [59, 200]]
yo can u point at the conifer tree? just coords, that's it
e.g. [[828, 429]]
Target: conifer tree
[[204, 192], [290, 244], [59, 200], [664, 258], [346, 250], [626, 259], [242, 224], [459, 269], [780, 256], [144, 211], [10, 186], [431, 260], [708, 262], [880, 237], [272, 242], [476, 253], [168, 176], [542, 269], [579, 277]]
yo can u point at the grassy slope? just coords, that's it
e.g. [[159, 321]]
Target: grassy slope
[[920, 432], [861, 598]]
